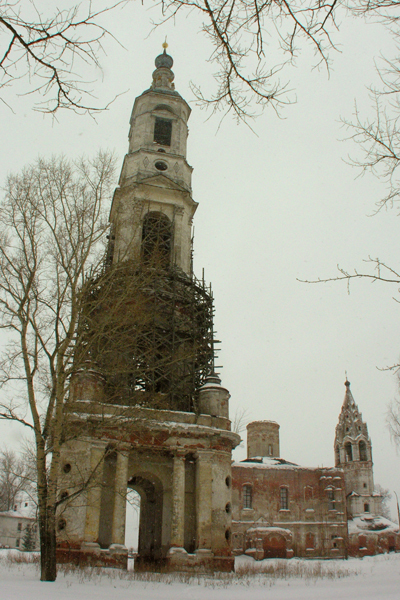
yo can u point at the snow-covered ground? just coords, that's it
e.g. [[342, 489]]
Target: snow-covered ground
[[372, 577]]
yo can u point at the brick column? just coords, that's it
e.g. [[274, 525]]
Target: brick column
[[178, 502], [204, 500], [119, 513]]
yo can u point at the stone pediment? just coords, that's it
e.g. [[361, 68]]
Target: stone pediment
[[163, 181]]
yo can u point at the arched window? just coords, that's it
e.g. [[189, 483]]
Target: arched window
[[284, 498], [310, 541], [349, 451], [156, 239], [362, 446], [247, 497], [162, 131], [331, 499], [308, 493]]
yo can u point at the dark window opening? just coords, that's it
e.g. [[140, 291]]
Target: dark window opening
[[247, 496], [366, 507], [284, 498], [228, 482], [19, 527], [161, 166], [162, 131], [67, 468], [349, 452], [362, 446]]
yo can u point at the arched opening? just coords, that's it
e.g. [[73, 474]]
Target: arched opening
[[150, 490], [362, 446], [132, 521], [349, 451], [157, 240], [274, 546]]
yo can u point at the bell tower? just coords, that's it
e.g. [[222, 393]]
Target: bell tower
[[146, 410], [353, 453], [153, 207]]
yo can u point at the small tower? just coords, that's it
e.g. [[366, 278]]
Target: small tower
[[353, 453], [263, 439]]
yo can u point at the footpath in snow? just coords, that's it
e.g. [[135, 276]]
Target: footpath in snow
[[375, 577]]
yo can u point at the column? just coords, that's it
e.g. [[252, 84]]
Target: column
[[204, 500], [178, 502], [94, 493], [119, 513]]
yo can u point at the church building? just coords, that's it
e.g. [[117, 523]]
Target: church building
[[282, 510]]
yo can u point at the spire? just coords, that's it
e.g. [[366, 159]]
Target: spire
[[163, 77], [351, 424]]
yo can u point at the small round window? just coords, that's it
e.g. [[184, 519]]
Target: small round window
[[161, 165]]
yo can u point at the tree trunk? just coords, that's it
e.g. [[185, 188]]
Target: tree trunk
[[48, 565]]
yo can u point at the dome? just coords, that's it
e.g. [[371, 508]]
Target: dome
[[164, 60]]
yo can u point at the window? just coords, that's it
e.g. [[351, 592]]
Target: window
[[19, 527], [247, 497], [366, 507], [331, 499], [17, 543], [362, 446], [310, 541], [284, 497], [349, 452], [270, 450], [308, 493], [162, 131]]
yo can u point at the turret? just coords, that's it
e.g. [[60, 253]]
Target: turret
[[263, 439]]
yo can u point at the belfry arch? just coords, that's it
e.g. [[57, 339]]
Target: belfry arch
[[150, 490]]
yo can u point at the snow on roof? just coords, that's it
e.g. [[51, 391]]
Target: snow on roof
[[269, 462], [373, 524], [14, 513]]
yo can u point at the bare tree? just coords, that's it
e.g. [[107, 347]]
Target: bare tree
[[386, 497], [50, 52], [52, 225], [15, 478], [252, 42]]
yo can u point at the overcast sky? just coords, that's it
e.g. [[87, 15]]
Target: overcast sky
[[275, 206]]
